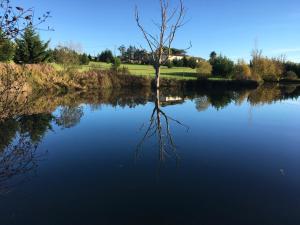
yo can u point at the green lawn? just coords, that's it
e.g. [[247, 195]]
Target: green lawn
[[142, 70]]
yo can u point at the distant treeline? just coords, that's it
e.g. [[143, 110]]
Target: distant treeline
[[30, 49]]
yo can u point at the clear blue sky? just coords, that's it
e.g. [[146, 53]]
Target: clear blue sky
[[229, 27]]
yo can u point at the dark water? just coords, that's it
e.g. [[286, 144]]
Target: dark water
[[206, 157]]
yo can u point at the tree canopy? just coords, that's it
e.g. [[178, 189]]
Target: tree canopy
[[30, 48]]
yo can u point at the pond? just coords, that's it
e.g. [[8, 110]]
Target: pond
[[208, 156]]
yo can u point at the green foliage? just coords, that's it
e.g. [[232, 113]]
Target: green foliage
[[178, 62], [84, 59], [106, 56], [185, 62], [192, 62], [204, 69], [290, 75], [36, 126], [133, 54], [213, 55], [7, 50], [241, 71], [222, 66], [30, 48], [291, 66], [169, 64], [116, 63], [175, 51]]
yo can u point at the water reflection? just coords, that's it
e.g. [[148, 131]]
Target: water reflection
[[159, 128], [18, 148], [70, 116], [25, 120]]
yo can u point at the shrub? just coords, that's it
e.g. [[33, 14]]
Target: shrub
[[116, 63], [169, 64], [267, 69], [295, 67], [192, 62], [178, 62], [204, 69], [241, 71], [66, 56], [290, 75], [222, 66]]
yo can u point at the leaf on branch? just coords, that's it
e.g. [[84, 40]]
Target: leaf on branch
[[19, 8]]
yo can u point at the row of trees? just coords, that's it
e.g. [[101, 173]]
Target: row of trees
[[134, 55], [259, 68], [30, 49]]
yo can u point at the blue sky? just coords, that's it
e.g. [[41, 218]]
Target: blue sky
[[230, 27]]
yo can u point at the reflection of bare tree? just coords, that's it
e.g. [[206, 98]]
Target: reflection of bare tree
[[155, 129], [69, 116], [202, 103], [18, 158]]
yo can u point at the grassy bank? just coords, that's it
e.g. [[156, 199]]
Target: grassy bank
[[140, 70], [49, 76]]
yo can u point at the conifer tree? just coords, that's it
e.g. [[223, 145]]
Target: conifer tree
[[7, 49], [30, 48]]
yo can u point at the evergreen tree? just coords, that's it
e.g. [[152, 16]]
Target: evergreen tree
[[84, 59], [106, 56], [30, 48], [7, 49]]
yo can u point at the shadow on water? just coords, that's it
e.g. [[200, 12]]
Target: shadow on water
[[25, 120]]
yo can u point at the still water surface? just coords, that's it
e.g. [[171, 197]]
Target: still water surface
[[129, 157]]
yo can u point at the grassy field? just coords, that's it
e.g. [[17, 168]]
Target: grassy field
[[143, 70]]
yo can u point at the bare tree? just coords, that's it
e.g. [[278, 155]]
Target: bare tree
[[15, 19], [156, 129], [160, 44]]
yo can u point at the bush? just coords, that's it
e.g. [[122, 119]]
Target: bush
[[116, 63], [169, 64], [290, 75], [204, 69], [66, 57], [178, 62], [295, 67], [242, 71], [222, 66], [192, 62], [267, 69]]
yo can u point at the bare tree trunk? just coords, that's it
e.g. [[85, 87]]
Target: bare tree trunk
[[157, 75]]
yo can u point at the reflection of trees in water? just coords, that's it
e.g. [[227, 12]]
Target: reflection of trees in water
[[159, 128], [24, 121], [18, 147], [220, 100], [18, 158], [69, 116], [264, 94], [35, 126]]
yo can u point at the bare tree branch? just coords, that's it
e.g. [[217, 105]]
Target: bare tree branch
[[160, 45]]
